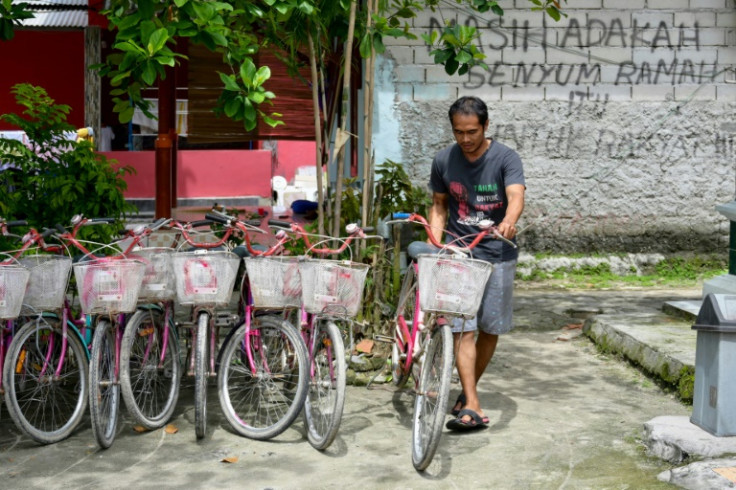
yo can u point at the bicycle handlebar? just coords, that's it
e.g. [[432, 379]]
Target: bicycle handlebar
[[486, 226]]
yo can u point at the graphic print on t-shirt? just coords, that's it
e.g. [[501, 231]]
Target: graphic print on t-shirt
[[486, 200]]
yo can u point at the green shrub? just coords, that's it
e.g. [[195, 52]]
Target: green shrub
[[56, 177]]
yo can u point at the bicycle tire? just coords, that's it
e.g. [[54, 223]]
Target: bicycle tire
[[430, 405], [200, 374], [149, 385], [405, 311], [325, 401], [263, 404], [46, 408], [104, 389]]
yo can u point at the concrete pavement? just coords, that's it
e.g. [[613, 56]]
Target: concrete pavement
[[564, 414]]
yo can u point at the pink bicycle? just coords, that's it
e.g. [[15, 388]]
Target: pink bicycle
[[436, 289], [45, 368], [262, 367], [332, 294]]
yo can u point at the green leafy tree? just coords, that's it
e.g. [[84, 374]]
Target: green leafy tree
[[55, 177], [11, 15]]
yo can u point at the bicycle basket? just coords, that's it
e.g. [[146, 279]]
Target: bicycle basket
[[47, 283], [332, 283], [274, 281], [205, 277], [452, 285], [158, 280], [13, 281], [109, 286]]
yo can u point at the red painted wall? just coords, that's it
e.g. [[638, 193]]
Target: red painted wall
[[294, 154], [53, 60], [202, 173]]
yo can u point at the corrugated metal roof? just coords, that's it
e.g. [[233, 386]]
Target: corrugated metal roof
[[53, 3], [57, 13], [61, 18]]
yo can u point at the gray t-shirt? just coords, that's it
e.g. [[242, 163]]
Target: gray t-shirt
[[477, 191]]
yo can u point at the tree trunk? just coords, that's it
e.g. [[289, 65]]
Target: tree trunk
[[343, 122], [317, 134]]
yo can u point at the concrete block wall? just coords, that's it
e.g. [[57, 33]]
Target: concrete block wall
[[623, 113]]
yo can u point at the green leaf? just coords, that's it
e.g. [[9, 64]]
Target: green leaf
[[232, 106], [219, 38], [451, 66], [463, 56], [249, 112], [229, 81], [149, 74], [263, 74], [365, 45], [120, 77], [247, 72], [180, 3], [127, 115], [442, 55], [554, 13], [257, 97], [157, 41], [306, 8], [378, 43]]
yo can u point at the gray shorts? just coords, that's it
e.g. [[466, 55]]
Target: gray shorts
[[496, 308]]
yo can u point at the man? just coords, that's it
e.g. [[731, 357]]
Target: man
[[474, 179]]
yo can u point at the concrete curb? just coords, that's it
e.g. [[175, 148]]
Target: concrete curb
[[663, 346]]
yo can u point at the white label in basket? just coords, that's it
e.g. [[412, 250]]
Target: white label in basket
[[452, 299], [155, 287], [325, 299], [106, 282], [201, 276]]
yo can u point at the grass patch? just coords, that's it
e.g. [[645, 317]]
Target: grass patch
[[674, 271]]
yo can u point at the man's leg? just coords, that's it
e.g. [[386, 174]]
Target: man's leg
[[495, 315], [485, 347], [466, 363]]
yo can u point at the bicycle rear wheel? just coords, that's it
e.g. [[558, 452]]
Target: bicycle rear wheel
[[104, 388], [406, 313], [149, 368], [201, 374], [262, 399], [430, 405], [326, 396], [44, 406]]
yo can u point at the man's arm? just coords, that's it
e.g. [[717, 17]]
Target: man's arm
[[515, 195], [438, 214]]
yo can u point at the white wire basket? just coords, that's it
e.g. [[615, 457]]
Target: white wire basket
[[13, 281], [159, 283], [274, 281], [47, 284], [109, 286], [205, 278], [332, 284], [452, 285]]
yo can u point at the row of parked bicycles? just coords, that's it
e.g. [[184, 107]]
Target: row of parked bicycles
[[112, 337]]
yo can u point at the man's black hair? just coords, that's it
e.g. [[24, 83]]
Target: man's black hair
[[470, 106]]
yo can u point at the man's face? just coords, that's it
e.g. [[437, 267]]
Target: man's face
[[469, 134]]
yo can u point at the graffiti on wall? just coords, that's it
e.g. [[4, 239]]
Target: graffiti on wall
[[680, 43], [570, 140]]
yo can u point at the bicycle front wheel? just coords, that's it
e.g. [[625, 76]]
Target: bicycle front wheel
[[45, 406], [431, 401], [104, 389], [263, 377], [150, 368], [201, 374], [326, 396]]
